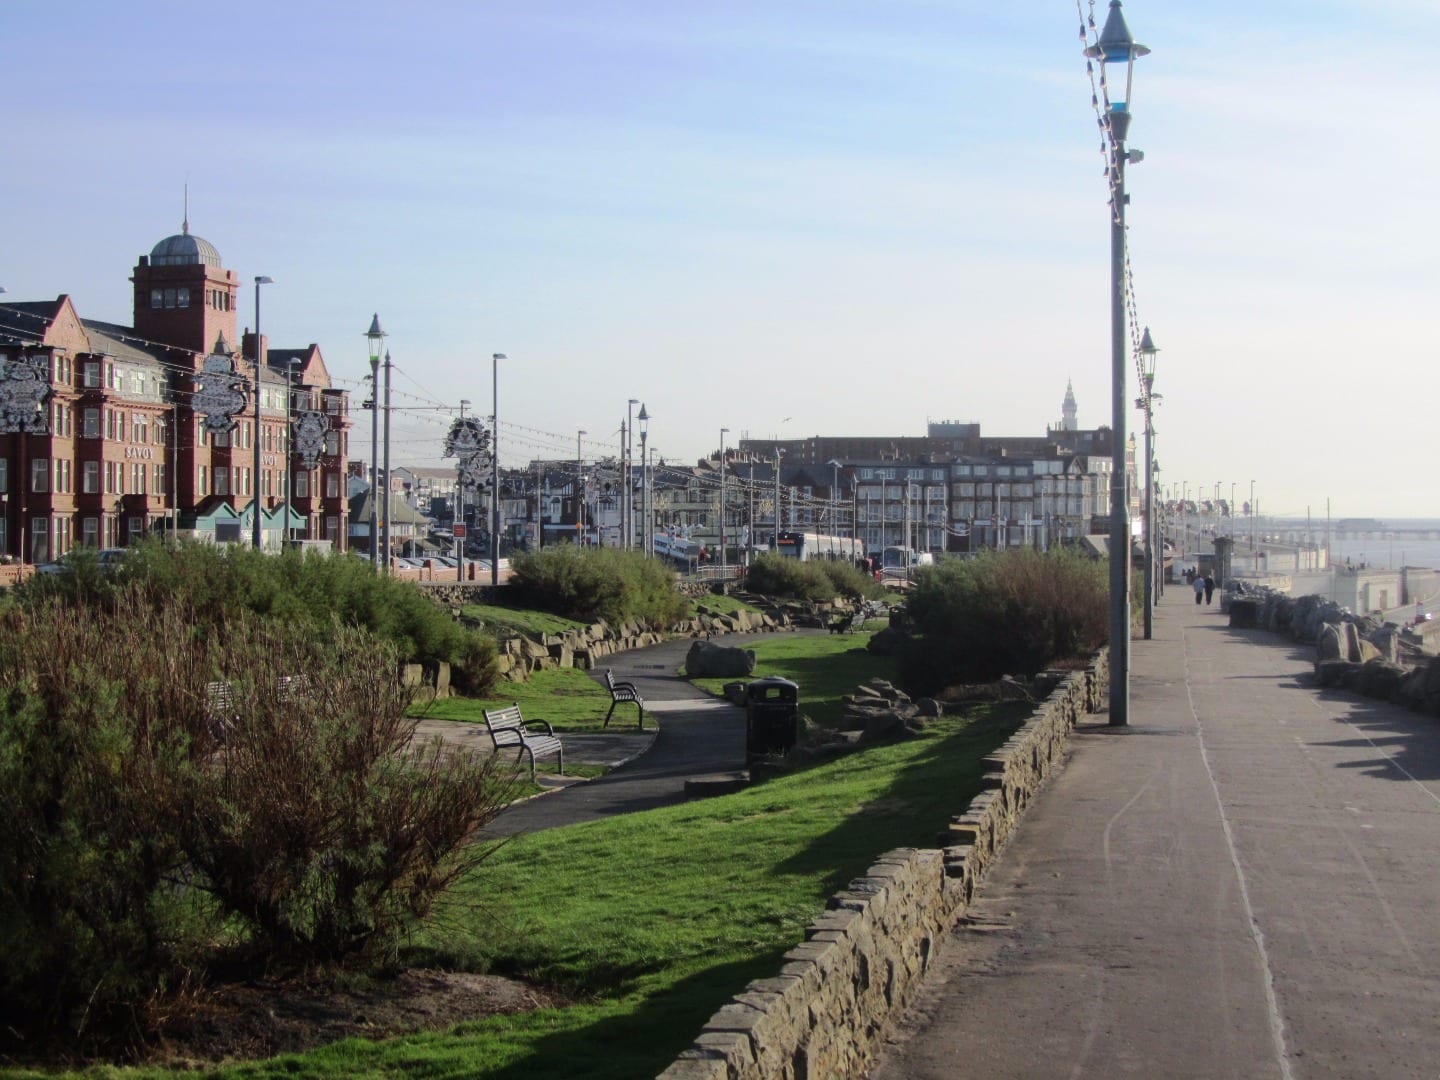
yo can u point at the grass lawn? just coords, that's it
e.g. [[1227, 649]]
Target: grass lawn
[[826, 667], [571, 700], [651, 921], [507, 622]]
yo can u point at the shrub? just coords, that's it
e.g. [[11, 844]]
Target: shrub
[[1012, 612], [775, 575], [141, 829], [597, 583], [305, 587]]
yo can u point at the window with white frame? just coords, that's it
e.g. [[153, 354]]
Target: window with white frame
[[332, 486], [90, 532], [40, 539], [137, 478], [92, 375], [40, 478], [90, 478], [302, 484]]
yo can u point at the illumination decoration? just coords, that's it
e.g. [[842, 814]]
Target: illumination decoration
[[469, 440], [220, 391], [24, 389], [309, 430]]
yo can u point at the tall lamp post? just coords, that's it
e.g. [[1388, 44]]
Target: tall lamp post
[[289, 461], [835, 493], [375, 341], [1117, 49], [460, 512], [645, 545], [579, 489], [627, 506], [495, 359], [256, 538], [1146, 402], [723, 430], [385, 528]]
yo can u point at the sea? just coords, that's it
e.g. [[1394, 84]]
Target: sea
[[1383, 551]]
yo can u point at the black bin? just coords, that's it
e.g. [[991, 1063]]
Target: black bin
[[772, 717]]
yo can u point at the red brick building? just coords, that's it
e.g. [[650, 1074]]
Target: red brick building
[[117, 449]]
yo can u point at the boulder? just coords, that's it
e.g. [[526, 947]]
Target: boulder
[[705, 660]]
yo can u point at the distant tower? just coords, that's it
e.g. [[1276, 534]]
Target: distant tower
[[1069, 422], [183, 296]]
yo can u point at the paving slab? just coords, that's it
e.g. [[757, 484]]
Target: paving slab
[[1242, 883]]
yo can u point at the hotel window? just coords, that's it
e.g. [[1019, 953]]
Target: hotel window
[[222, 481], [90, 528], [139, 428], [90, 478], [63, 476], [220, 438], [203, 477], [332, 443], [302, 484], [40, 540], [182, 297], [40, 476], [4, 474], [92, 375], [110, 381], [332, 486], [169, 298], [158, 476], [137, 478], [332, 529]]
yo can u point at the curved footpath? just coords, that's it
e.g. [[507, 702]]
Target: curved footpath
[[1243, 883], [698, 735]]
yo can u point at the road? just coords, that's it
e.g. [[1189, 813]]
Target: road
[[1243, 883]]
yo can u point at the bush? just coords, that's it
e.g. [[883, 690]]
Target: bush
[[141, 829], [597, 583], [304, 587], [1013, 612], [814, 579]]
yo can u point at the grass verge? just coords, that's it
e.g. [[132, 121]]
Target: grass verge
[[651, 921]]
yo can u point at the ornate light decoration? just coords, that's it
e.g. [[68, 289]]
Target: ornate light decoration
[[220, 391], [310, 429], [24, 389], [469, 440]]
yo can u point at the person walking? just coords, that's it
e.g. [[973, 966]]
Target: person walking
[[1209, 587], [1199, 587]]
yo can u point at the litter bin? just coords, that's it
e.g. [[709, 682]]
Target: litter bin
[[772, 717]]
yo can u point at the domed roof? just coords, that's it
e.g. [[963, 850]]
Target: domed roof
[[184, 250]]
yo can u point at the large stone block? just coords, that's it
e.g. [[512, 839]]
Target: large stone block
[[705, 660]]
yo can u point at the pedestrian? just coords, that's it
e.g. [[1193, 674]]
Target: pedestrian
[[1209, 587], [1199, 588]]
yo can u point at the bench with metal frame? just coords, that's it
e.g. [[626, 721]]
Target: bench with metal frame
[[622, 693], [508, 728]]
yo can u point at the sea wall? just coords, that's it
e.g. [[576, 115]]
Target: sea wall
[[840, 991]]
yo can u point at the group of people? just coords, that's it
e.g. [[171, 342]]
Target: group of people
[[1203, 584]]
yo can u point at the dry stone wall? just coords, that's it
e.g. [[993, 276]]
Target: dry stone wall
[[825, 1013]]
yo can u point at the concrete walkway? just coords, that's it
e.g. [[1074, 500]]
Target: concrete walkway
[[699, 736], [1243, 883]]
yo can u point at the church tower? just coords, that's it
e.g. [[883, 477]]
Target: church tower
[[1068, 410], [183, 296]]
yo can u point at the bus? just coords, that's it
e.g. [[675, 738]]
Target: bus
[[806, 546]]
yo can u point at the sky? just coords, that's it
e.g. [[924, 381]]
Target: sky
[[782, 217]]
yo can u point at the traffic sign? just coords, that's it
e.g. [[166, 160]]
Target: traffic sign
[[458, 530]]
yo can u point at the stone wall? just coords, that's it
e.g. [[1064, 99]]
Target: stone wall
[[826, 1012]]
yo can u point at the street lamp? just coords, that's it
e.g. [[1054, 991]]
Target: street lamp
[[1116, 48], [645, 545], [723, 430], [375, 341], [579, 489], [289, 461], [627, 507], [256, 539], [835, 492], [1146, 402], [460, 512], [495, 359]]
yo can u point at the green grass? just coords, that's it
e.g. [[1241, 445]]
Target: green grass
[[501, 622], [827, 668], [568, 698], [651, 921], [723, 605]]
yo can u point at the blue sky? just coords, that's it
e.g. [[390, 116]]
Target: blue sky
[[785, 218]]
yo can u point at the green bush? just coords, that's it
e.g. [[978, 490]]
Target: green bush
[[304, 587], [143, 826], [772, 574], [1013, 612], [597, 583]]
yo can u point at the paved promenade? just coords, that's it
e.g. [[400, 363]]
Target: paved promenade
[[1243, 883]]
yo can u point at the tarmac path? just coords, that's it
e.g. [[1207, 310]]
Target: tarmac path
[[699, 735], [1245, 882]]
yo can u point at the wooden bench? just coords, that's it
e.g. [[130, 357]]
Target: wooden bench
[[508, 728], [622, 693]]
